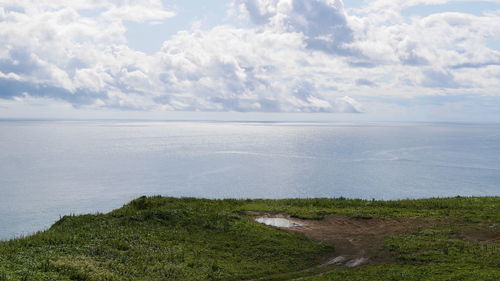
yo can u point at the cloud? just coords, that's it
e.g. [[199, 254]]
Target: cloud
[[293, 56], [233, 69], [12, 88], [138, 12], [322, 22], [127, 10], [349, 105], [365, 82], [439, 79], [58, 53]]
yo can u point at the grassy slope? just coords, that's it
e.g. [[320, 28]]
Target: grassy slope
[[190, 239]]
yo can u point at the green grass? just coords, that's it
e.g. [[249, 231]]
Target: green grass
[[194, 239], [430, 254], [472, 209]]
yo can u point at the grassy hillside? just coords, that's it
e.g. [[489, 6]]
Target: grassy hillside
[[193, 239]]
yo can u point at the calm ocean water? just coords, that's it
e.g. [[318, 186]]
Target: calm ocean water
[[53, 168]]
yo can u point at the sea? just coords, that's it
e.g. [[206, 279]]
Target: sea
[[50, 168]]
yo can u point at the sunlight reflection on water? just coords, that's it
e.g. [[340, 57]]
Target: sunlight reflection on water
[[54, 168]]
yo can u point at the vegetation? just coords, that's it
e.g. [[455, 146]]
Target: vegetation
[[471, 209], [195, 239]]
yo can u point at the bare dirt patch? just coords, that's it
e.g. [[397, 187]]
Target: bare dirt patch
[[481, 236], [357, 241]]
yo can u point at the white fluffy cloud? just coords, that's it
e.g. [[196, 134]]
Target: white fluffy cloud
[[244, 70], [295, 56], [323, 23]]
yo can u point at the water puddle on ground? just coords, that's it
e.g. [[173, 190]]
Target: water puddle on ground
[[278, 222], [338, 260], [348, 262], [356, 262]]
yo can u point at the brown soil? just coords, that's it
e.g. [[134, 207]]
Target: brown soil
[[357, 241], [480, 236]]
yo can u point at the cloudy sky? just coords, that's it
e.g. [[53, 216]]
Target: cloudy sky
[[429, 60]]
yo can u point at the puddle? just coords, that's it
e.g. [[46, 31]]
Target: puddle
[[277, 222], [341, 260], [337, 260], [356, 262]]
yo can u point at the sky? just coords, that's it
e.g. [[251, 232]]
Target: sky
[[378, 60]]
